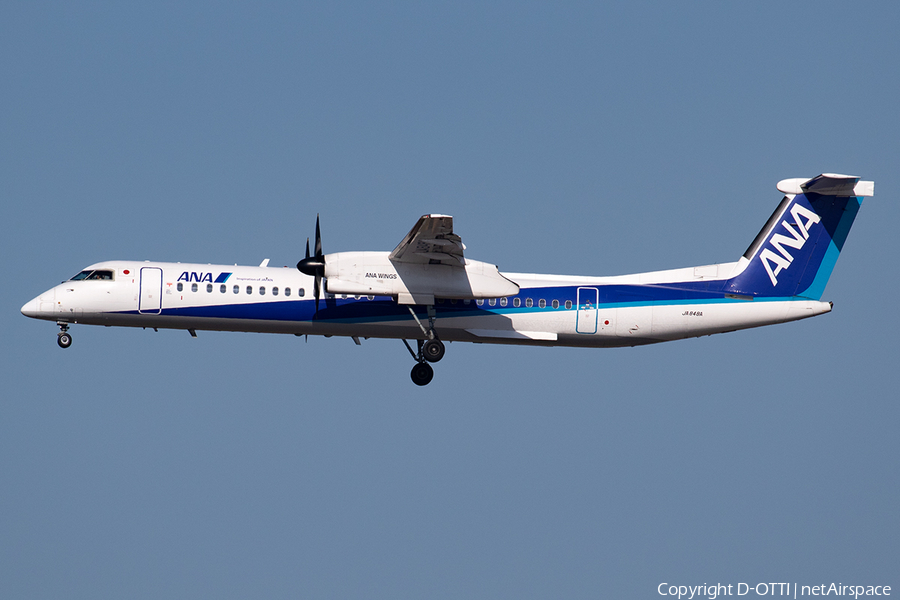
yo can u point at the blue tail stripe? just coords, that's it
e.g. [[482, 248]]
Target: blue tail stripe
[[793, 266], [817, 287], [840, 234]]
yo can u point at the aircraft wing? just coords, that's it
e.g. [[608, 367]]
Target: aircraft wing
[[431, 241]]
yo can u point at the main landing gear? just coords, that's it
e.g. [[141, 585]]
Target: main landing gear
[[433, 350], [63, 338], [430, 350]]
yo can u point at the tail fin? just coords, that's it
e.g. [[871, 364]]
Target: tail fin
[[795, 252]]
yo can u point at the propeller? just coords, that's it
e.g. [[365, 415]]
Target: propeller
[[314, 266]]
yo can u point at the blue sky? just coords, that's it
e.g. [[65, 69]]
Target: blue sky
[[582, 139]]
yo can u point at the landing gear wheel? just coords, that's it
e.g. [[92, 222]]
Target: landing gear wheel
[[422, 373], [64, 340], [433, 350]]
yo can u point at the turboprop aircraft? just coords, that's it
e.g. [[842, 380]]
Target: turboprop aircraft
[[427, 290]]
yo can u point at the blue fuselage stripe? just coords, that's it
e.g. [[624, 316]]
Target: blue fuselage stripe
[[383, 308]]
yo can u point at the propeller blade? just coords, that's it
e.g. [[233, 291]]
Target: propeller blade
[[316, 293], [318, 239], [314, 265]]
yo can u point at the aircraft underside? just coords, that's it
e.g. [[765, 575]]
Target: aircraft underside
[[607, 327]]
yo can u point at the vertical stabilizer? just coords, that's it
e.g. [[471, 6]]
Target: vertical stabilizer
[[795, 252]]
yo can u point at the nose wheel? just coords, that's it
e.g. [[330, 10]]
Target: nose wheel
[[63, 338]]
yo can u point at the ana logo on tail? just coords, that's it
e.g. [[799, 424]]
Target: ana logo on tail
[[784, 259]]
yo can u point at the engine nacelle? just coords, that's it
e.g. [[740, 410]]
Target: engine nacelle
[[373, 273]]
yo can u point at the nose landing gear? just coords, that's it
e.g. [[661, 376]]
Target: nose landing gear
[[63, 338]]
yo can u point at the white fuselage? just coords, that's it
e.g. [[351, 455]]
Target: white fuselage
[[547, 310]]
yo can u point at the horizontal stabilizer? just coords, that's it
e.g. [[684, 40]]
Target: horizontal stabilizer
[[828, 184]]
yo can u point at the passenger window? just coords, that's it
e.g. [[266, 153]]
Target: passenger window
[[542, 303], [370, 297], [503, 301], [262, 290], [517, 302], [222, 288], [274, 291], [568, 304], [479, 302], [193, 287], [492, 302], [287, 291], [453, 301], [237, 289], [209, 287], [180, 287], [301, 292], [529, 302], [556, 304], [249, 289]]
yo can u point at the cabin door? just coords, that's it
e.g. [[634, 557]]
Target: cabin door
[[150, 300], [586, 317]]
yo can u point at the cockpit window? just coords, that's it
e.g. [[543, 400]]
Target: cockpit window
[[101, 275], [104, 275]]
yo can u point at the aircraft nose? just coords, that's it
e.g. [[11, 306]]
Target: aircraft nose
[[32, 308]]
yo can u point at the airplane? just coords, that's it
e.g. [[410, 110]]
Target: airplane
[[429, 291]]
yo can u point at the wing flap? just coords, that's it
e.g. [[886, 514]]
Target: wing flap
[[431, 241]]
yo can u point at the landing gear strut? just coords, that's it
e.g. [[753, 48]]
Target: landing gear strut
[[431, 350], [421, 373], [63, 338]]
